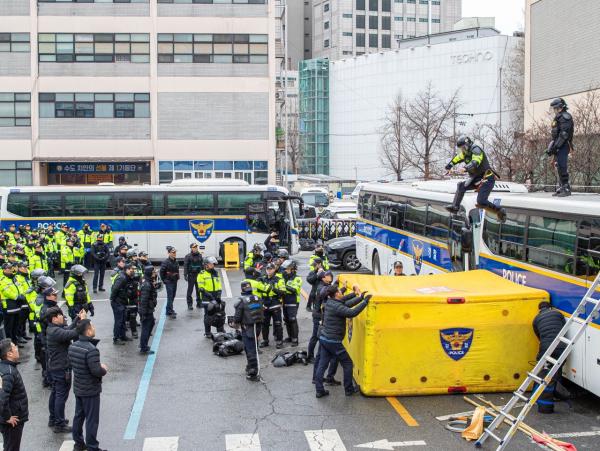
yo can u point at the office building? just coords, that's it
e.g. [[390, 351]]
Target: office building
[[346, 28], [136, 92]]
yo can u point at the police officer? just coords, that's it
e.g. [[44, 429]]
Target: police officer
[[282, 255], [133, 297], [118, 269], [38, 259], [252, 276], [169, 273], [319, 255], [480, 173], [398, 268], [122, 289], [67, 259], [271, 294], [122, 243], [99, 253], [249, 315], [292, 285], [313, 280], [209, 285], [86, 238], [148, 301], [47, 297], [27, 289], [77, 294], [192, 266], [254, 256], [12, 297], [561, 145]]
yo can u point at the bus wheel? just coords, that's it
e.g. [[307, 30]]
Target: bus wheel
[[376, 265], [241, 249]]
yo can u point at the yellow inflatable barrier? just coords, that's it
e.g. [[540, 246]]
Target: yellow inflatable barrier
[[444, 333]]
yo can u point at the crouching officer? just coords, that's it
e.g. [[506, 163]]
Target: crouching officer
[[209, 284], [292, 285], [271, 295], [481, 177], [77, 294], [561, 144], [249, 315]]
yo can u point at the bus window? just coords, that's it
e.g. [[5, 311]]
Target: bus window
[[190, 204], [588, 249], [551, 243], [491, 233], [47, 205], [132, 204], [512, 236], [364, 205], [157, 207], [438, 220], [235, 203], [18, 204], [88, 205], [415, 217]]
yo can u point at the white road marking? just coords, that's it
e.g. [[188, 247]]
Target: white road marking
[[387, 445], [575, 434], [226, 283], [161, 444], [324, 440], [67, 445], [242, 442]]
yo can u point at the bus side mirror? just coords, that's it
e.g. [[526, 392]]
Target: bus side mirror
[[466, 239]]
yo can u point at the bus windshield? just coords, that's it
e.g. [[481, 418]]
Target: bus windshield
[[316, 199]]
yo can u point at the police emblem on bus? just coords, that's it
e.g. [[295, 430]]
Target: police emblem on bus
[[417, 255], [202, 229], [456, 342]]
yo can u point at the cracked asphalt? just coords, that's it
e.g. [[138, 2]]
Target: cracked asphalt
[[200, 398]]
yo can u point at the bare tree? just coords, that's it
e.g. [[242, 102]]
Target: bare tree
[[293, 144], [393, 131], [585, 159]]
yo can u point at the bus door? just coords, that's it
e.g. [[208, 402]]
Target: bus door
[[461, 243], [133, 209], [270, 216]]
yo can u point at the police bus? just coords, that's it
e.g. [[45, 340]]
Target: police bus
[[546, 242], [206, 212]]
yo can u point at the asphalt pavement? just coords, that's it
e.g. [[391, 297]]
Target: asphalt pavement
[[184, 398]]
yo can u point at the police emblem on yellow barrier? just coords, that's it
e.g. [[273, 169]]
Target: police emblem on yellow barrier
[[202, 229], [417, 255], [456, 342]]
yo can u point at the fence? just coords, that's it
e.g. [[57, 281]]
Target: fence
[[324, 230]]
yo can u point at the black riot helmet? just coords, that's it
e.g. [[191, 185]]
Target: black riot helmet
[[464, 142], [246, 287], [558, 103]]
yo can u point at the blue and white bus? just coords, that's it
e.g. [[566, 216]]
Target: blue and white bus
[[546, 242], [207, 212]]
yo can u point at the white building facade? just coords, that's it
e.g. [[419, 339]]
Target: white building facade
[[137, 92], [363, 88]]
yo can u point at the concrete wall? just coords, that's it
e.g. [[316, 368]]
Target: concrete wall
[[88, 128], [15, 133], [94, 9], [14, 7], [199, 10], [123, 69], [15, 64], [212, 70]]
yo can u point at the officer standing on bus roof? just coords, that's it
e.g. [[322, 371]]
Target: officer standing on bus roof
[[192, 266], [481, 177], [561, 145]]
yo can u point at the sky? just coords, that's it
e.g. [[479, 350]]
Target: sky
[[509, 14]]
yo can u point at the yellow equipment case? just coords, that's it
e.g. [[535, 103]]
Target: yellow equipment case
[[443, 333]]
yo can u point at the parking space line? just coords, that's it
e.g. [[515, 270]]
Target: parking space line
[[142, 392], [161, 444], [67, 445], [324, 440], [242, 442], [226, 283], [401, 410]]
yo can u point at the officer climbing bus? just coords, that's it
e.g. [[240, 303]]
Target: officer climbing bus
[[481, 177]]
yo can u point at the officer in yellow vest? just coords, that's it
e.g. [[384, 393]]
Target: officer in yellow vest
[[67, 259], [10, 293], [86, 238], [38, 259], [209, 285], [76, 292]]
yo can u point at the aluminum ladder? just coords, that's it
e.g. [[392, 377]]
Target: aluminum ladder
[[546, 362]]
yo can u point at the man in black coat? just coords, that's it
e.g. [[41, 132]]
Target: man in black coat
[[87, 386], [332, 333], [169, 273], [100, 254], [59, 337], [193, 264], [123, 288], [148, 302], [14, 406]]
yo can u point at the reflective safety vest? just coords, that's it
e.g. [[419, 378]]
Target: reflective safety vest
[[37, 261], [67, 257], [76, 292], [79, 251], [60, 238], [209, 281], [26, 288], [29, 251], [292, 288], [114, 275], [34, 314], [324, 259], [256, 286], [9, 292], [86, 238], [249, 260]]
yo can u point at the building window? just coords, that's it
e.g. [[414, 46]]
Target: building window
[[435, 20], [15, 173], [373, 22], [423, 19], [212, 48], [15, 109], [373, 5], [423, 2], [360, 21], [360, 39], [386, 6], [97, 48], [373, 41], [326, 7], [386, 23], [398, 1], [326, 25], [435, 2], [326, 43], [398, 18], [98, 105], [347, 52], [360, 5], [14, 42], [411, 1], [347, 16], [255, 172], [93, 1], [411, 19], [247, 2], [386, 41], [347, 33]]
